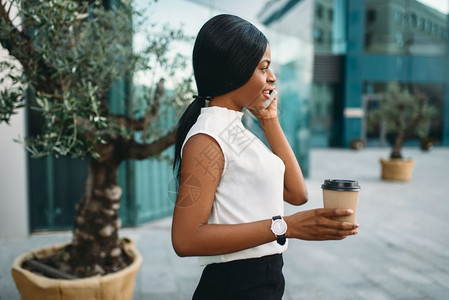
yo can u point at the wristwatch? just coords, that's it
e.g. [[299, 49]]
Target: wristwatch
[[279, 228]]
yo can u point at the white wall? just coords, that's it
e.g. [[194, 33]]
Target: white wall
[[13, 180], [13, 176]]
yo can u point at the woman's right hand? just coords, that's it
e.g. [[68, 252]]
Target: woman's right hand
[[316, 225]]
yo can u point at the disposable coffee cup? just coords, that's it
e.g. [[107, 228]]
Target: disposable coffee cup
[[341, 193]]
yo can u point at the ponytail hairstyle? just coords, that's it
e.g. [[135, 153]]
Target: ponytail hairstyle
[[227, 50]]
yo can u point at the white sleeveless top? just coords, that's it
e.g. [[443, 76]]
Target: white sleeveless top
[[252, 183]]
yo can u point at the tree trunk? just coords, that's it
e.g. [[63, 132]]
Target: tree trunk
[[398, 143], [96, 248]]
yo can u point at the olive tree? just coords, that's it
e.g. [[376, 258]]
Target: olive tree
[[403, 114], [64, 56]]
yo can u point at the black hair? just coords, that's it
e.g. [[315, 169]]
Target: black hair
[[227, 50]]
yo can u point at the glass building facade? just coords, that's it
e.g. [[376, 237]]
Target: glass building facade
[[406, 41], [360, 46]]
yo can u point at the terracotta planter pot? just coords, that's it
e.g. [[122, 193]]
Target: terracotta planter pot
[[397, 169], [114, 286]]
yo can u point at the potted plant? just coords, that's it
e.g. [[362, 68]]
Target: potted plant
[[403, 115], [426, 143], [65, 56], [357, 143]]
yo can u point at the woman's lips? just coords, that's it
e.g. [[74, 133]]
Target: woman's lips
[[267, 92]]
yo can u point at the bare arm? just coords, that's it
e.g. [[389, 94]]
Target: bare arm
[[295, 190], [192, 236]]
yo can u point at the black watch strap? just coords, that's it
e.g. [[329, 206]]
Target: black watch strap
[[280, 238]]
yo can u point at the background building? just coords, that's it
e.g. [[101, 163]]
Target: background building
[[406, 41], [359, 47], [404, 27], [401, 40], [332, 59]]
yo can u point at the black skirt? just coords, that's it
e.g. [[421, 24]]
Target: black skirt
[[254, 278]]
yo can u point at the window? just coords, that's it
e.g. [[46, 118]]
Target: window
[[413, 20], [435, 29], [368, 39], [397, 17], [427, 26], [399, 36], [405, 20], [330, 14], [371, 15], [319, 11], [420, 22], [440, 33], [318, 35], [318, 104]]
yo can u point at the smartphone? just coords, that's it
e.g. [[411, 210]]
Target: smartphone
[[273, 94]]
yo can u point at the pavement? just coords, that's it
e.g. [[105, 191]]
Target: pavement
[[401, 251]]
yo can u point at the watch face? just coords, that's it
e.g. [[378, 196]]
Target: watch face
[[279, 227]]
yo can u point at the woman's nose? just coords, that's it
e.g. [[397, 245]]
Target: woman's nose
[[271, 78]]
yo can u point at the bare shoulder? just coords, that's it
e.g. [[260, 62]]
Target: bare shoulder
[[202, 156]]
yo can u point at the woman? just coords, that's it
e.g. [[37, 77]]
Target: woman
[[229, 208]]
